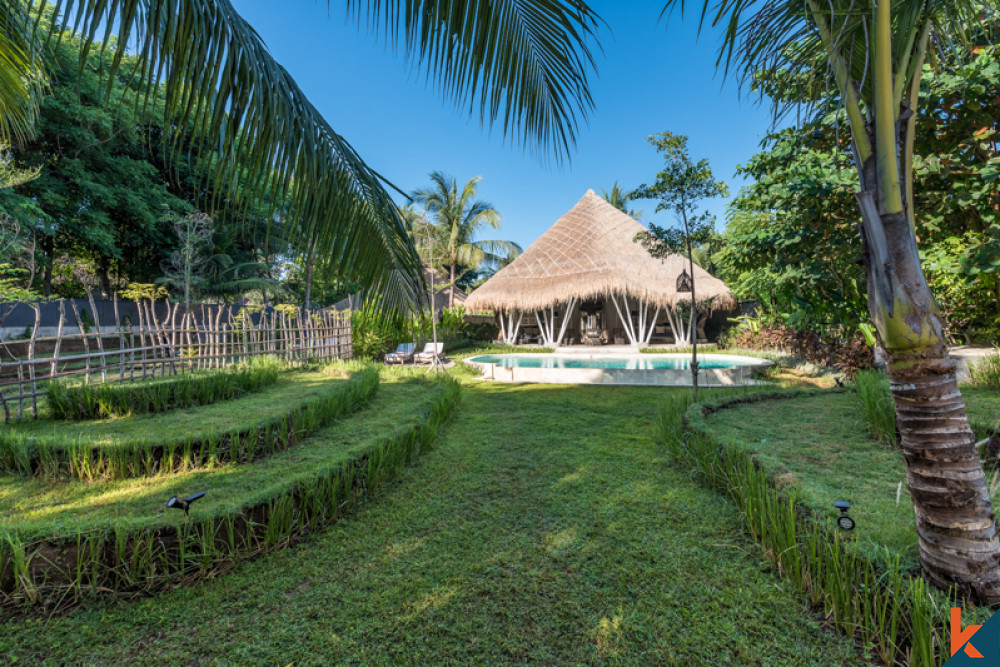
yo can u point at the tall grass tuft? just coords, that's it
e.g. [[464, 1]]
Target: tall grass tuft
[[877, 408], [985, 372], [102, 401]]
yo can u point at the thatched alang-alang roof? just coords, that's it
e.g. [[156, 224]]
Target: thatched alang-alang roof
[[587, 254]]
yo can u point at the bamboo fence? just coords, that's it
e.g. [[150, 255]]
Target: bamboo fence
[[175, 342]]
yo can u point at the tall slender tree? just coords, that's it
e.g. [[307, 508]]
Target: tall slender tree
[[459, 217], [873, 52], [678, 188], [521, 63]]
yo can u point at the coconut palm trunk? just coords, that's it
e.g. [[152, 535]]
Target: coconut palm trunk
[[451, 289], [874, 51], [956, 526]]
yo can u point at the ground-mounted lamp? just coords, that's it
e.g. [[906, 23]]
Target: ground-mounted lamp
[[845, 522], [184, 503], [684, 282]]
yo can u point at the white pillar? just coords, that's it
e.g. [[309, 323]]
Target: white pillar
[[543, 327], [677, 326], [641, 338], [652, 326], [626, 319], [562, 329]]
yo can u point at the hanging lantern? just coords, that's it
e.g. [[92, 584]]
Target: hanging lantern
[[684, 283]]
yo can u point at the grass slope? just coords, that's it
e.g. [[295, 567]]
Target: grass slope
[[291, 389], [32, 508], [820, 446], [546, 526]]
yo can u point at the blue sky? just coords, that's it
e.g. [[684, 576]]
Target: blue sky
[[651, 77]]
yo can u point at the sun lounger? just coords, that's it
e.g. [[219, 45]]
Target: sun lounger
[[403, 353], [430, 351]]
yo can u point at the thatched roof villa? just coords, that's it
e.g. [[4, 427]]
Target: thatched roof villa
[[587, 281]]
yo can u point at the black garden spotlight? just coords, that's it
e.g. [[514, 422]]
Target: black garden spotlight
[[845, 522], [184, 503]]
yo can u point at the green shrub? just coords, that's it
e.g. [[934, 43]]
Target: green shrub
[[375, 332], [101, 401], [452, 323], [986, 371], [877, 408]]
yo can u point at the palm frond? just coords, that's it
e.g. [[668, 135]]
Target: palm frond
[[788, 35], [520, 63], [20, 72], [222, 87], [499, 248]]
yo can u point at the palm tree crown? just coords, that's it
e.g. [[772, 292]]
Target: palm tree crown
[[619, 198], [459, 217]]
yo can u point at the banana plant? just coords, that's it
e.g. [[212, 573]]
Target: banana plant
[[520, 64], [872, 53]]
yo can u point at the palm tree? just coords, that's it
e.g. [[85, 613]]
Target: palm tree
[[459, 217], [875, 51], [618, 198], [523, 63]]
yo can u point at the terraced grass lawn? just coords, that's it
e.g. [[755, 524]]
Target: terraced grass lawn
[[546, 526], [820, 446], [272, 401], [33, 508]]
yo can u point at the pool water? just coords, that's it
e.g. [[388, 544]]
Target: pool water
[[639, 362]]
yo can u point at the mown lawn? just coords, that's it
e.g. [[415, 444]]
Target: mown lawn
[[546, 526]]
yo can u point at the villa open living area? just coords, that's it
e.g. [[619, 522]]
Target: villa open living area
[[600, 325], [588, 282]]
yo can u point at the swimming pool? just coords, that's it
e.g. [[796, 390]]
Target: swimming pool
[[654, 369]]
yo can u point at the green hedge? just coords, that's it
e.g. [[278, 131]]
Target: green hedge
[[124, 560], [102, 401], [45, 457]]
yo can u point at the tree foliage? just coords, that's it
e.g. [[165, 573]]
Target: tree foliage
[[104, 188], [791, 240], [520, 65], [679, 188]]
